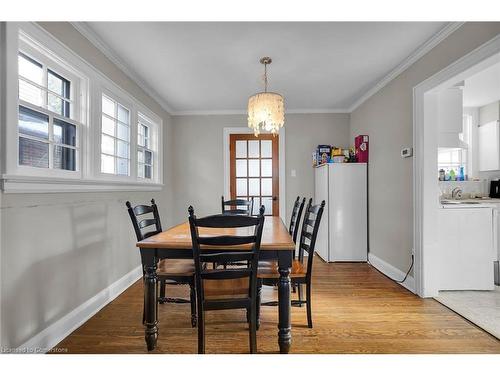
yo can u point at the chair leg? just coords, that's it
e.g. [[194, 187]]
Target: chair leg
[[259, 299], [162, 291], [299, 289], [201, 331], [308, 303], [192, 297], [253, 329]]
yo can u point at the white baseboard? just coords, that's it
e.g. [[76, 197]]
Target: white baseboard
[[56, 332], [392, 272]]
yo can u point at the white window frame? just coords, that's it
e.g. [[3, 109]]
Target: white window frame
[[153, 143], [89, 84]]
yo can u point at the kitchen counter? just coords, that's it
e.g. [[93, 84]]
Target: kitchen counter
[[470, 203]]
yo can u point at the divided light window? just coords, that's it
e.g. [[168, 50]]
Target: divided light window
[[144, 148], [115, 137], [47, 134]]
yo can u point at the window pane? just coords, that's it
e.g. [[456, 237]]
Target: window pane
[[148, 171], [64, 133], [266, 149], [241, 168], [266, 167], [33, 123], [140, 170], [107, 145], [268, 204], [30, 93], [30, 69], [253, 186], [64, 158], [267, 186], [107, 164], [253, 168], [148, 157], [58, 84], [123, 114], [122, 148], [140, 140], [241, 186], [140, 156], [55, 104], [122, 167], [241, 149], [108, 125], [33, 153], [253, 149], [256, 206], [108, 106], [122, 131]]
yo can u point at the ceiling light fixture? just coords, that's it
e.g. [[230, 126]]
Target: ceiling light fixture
[[266, 110]]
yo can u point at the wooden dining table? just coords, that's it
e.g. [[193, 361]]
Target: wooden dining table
[[175, 243]]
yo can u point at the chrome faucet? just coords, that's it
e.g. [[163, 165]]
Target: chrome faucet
[[456, 193]]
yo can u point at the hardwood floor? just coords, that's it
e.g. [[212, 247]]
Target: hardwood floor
[[355, 310]]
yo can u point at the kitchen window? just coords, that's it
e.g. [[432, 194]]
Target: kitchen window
[[47, 135]]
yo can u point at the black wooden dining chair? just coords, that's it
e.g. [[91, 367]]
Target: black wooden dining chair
[[237, 206], [169, 271], [300, 273], [293, 229], [231, 288]]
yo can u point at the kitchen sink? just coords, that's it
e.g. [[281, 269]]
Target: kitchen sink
[[458, 202]]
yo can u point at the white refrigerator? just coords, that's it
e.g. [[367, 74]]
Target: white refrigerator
[[343, 233]]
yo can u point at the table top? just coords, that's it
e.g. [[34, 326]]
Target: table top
[[275, 236]]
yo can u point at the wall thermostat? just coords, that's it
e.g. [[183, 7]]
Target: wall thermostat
[[406, 152]]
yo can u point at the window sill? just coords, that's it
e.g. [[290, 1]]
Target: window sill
[[29, 184]]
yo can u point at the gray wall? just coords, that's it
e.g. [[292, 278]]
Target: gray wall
[[387, 118], [59, 250], [198, 161]]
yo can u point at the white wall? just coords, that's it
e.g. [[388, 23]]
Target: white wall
[[59, 250], [387, 117], [198, 156]]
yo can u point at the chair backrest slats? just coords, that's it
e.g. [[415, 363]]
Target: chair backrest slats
[[227, 240], [298, 207], [210, 249], [236, 206], [221, 274], [310, 228], [139, 225]]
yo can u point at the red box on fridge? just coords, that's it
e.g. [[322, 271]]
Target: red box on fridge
[[361, 147]]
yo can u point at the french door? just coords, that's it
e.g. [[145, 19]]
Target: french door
[[254, 170]]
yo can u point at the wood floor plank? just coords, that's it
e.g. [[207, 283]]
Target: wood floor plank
[[355, 310]]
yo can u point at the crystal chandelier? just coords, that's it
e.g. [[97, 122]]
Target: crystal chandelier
[[266, 110]]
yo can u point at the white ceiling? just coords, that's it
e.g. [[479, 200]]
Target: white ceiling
[[215, 66], [483, 88]]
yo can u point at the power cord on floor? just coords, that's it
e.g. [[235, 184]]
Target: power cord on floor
[[407, 273]]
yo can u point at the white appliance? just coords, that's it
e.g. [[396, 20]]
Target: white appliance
[[343, 233]]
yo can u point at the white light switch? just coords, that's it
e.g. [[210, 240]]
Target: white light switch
[[293, 173]]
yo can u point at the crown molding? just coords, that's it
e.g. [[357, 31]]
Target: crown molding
[[96, 40], [244, 112], [409, 61], [423, 49]]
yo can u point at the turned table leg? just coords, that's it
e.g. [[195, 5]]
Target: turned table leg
[[150, 300], [284, 325]]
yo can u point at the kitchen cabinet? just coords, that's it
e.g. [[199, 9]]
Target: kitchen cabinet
[[489, 113], [450, 118], [489, 146], [466, 248]]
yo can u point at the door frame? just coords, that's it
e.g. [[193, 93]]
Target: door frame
[[281, 157], [425, 187]]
